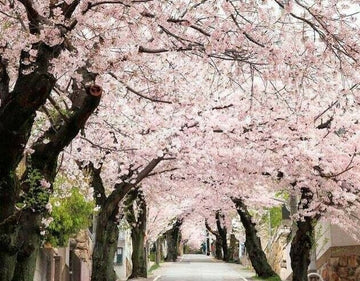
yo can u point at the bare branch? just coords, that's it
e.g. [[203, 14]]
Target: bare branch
[[222, 107], [329, 107], [137, 92], [92, 5], [33, 16], [4, 80], [335, 175], [163, 171]]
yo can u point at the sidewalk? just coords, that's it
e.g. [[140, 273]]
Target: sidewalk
[[150, 278]]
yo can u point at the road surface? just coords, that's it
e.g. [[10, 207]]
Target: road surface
[[201, 267]]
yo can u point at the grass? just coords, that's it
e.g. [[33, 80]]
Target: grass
[[153, 267], [272, 278]]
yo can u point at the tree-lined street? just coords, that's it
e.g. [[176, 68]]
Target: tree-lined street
[[201, 268], [195, 125]]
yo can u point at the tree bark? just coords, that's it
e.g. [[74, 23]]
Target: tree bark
[[220, 224], [138, 230], [303, 240], [218, 241], [17, 114], [253, 244], [172, 239], [42, 165], [107, 234], [158, 251], [179, 245], [104, 244], [208, 250], [218, 248], [232, 248]]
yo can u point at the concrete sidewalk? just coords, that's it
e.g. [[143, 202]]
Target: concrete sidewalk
[[151, 278], [200, 268]]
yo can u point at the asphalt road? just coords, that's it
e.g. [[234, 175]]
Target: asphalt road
[[201, 267]]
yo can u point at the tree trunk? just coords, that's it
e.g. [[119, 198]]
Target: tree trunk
[[300, 250], [107, 229], [41, 165], [208, 250], [220, 223], [138, 229], [17, 115], [107, 233], [218, 240], [158, 251], [30, 239], [172, 238], [218, 249], [303, 240], [253, 244], [179, 245], [8, 231], [138, 256], [233, 247]]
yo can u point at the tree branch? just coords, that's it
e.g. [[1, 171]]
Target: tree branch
[[95, 181], [211, 230], [33, 16], [4, 80], [92, 5], [334, 175], [137, 92], [121, 189], [45, 155]]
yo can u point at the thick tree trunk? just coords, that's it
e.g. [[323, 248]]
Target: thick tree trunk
[[107, 233], [17, 114], [179, 245], [8, 230], [138, 257], [220, 223], [172, 239], [225, 249], [253, 244], [29, 240], [218, 249], [138, 229], [303, 240], [107, 229], [42, 165], [158, 251], [300, 250], [233, 248]]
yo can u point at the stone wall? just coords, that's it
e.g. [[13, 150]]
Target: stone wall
[[340, 264], [276, 250]]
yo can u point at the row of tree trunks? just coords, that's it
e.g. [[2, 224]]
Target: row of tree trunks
[[173, 240], [253, 244]]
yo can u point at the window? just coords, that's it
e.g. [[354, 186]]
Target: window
[[119, 256]]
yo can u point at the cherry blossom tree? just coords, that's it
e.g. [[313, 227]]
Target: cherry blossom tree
[[271, 106]]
